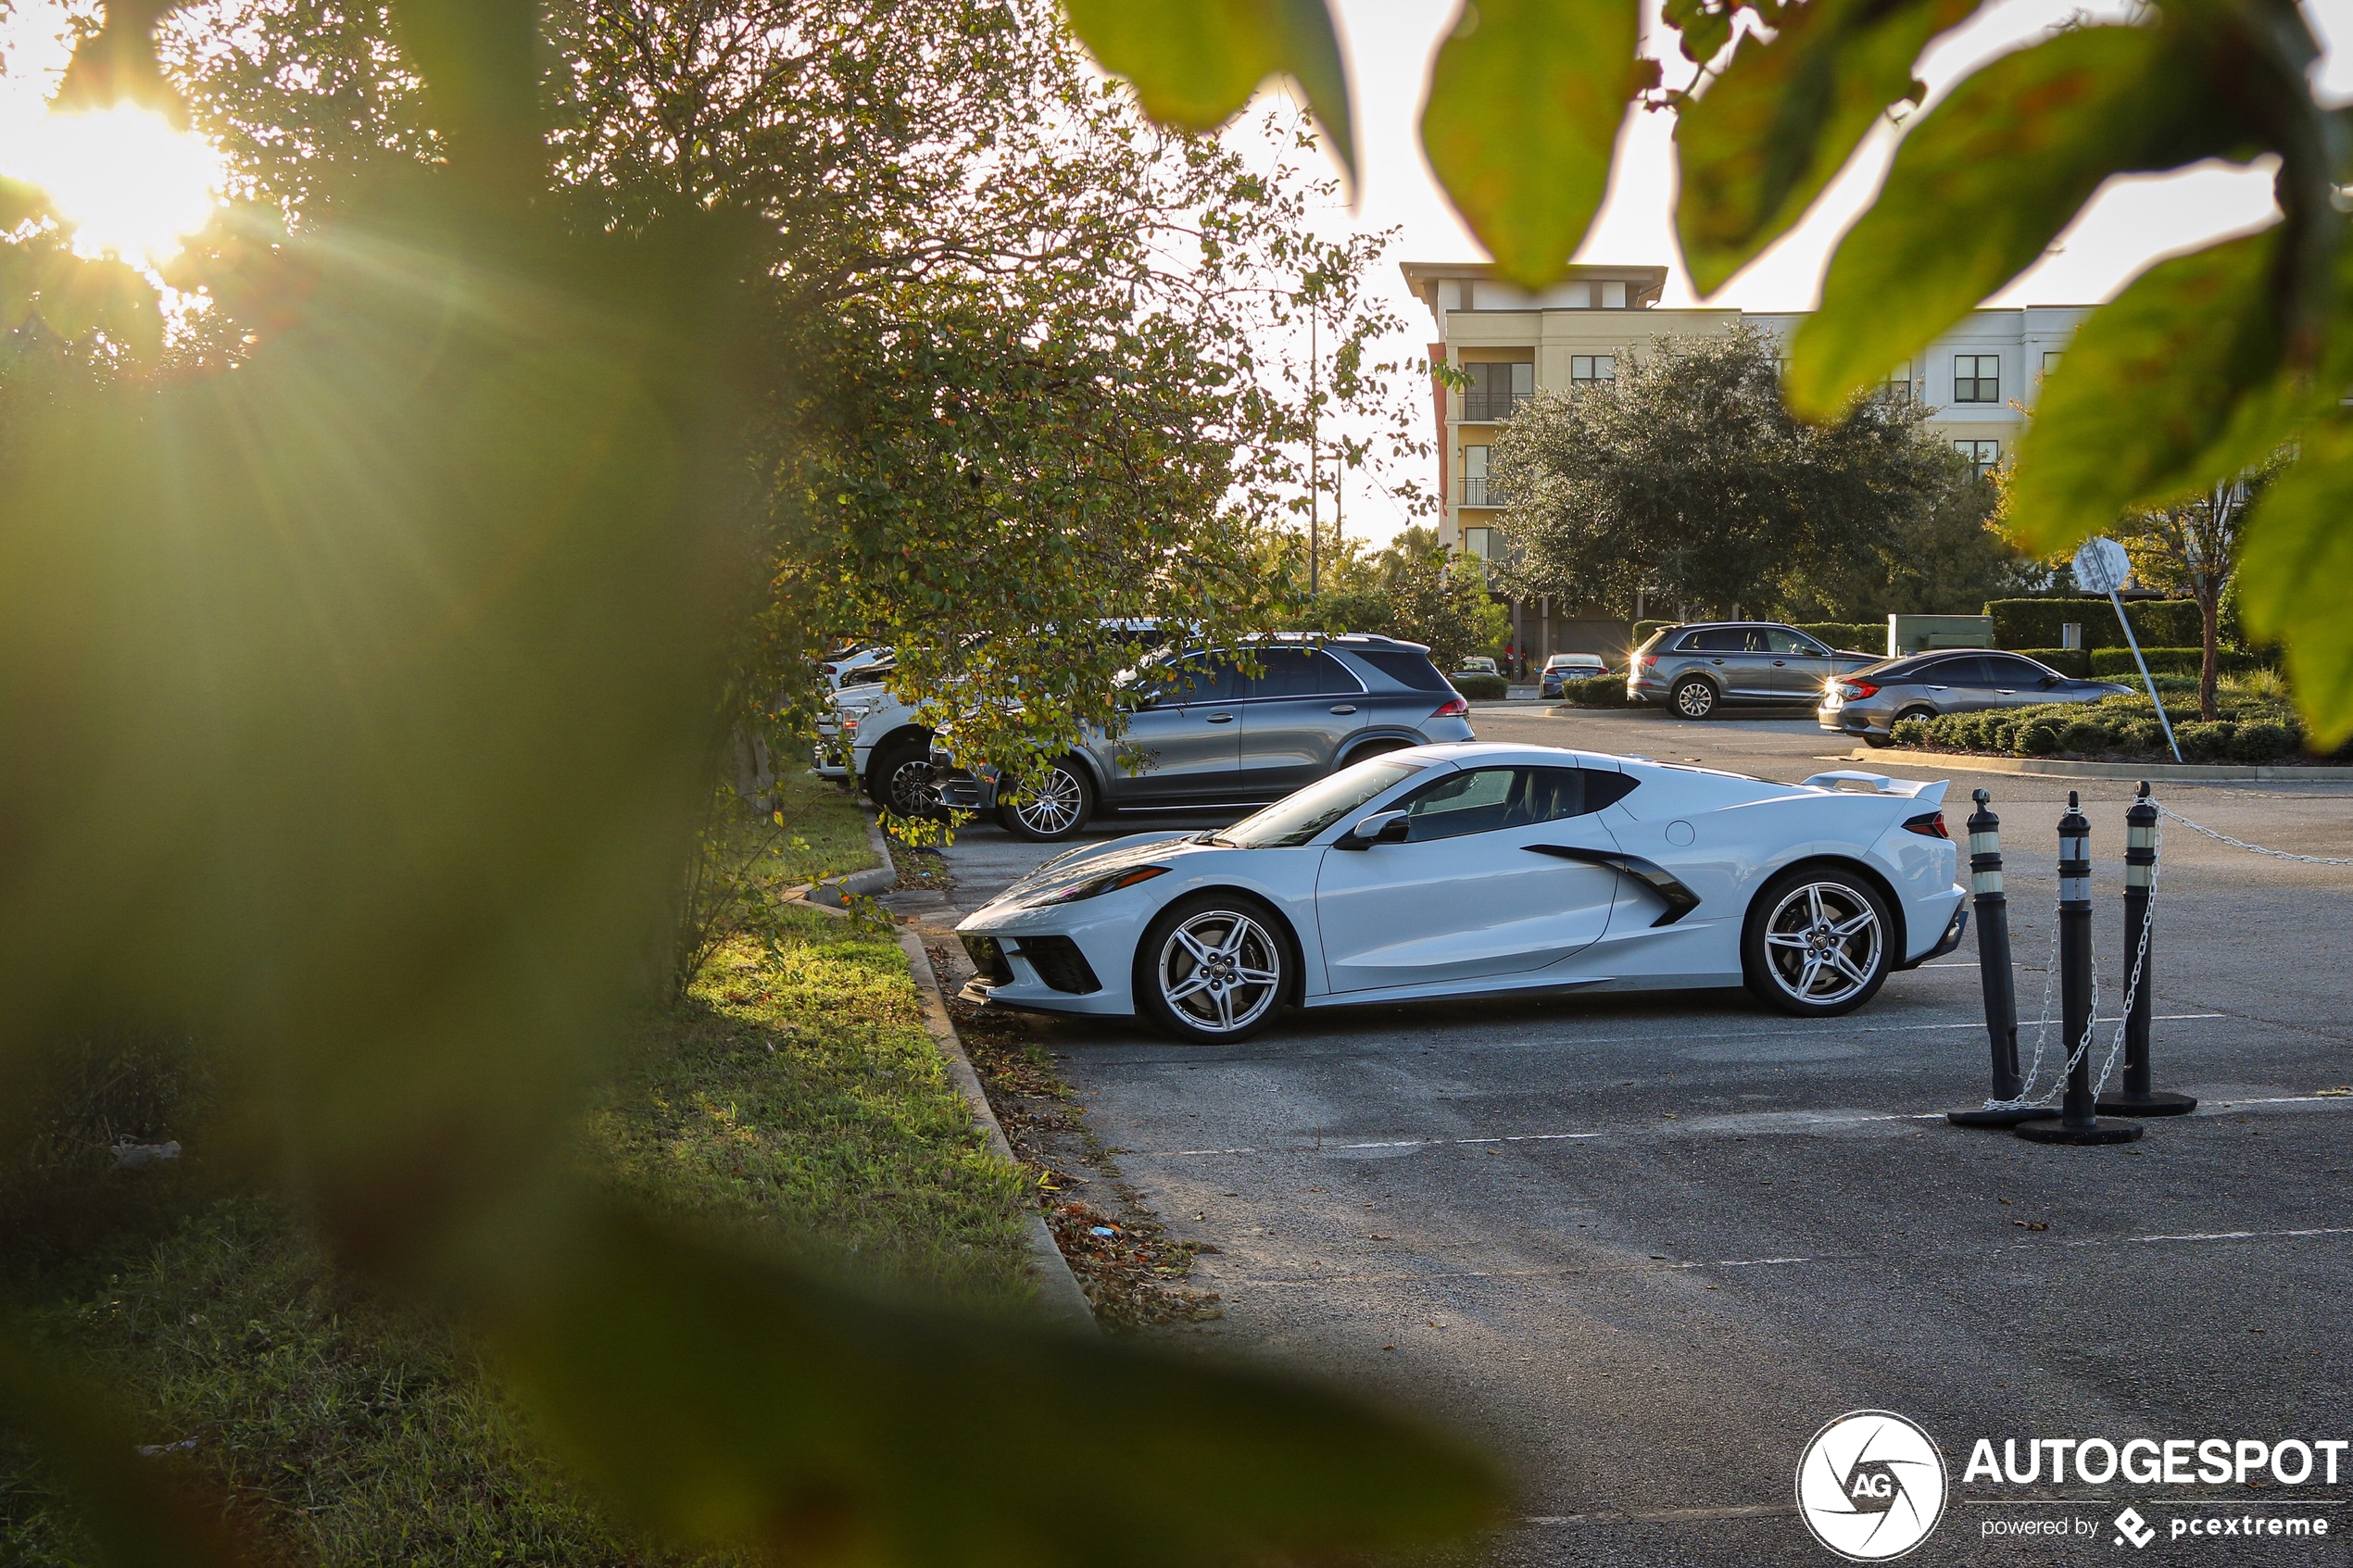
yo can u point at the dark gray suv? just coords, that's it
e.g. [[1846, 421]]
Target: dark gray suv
[[1204, 734], [1698, 669]]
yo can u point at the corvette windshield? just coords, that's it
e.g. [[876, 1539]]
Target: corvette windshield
[[1296, 819]]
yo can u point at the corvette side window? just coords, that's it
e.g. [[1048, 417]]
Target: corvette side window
[[1489, 799]]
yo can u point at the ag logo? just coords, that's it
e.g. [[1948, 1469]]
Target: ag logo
[[1871, 1486]]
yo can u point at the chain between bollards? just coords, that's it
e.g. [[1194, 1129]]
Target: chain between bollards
[[2138, 1098], [2079, 1120], [2005, 1108]]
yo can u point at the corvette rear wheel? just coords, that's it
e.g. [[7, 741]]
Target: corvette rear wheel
[[1213, 967], [1056, 805], [1819, 942], [1694, 698]]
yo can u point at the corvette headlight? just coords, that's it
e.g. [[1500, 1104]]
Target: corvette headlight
[[1096, 886]]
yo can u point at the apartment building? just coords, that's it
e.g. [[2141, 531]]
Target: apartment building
[[1977, 379]]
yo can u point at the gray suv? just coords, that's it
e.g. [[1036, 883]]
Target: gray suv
[[1204, 734], [1698, 669], [1868, 703]]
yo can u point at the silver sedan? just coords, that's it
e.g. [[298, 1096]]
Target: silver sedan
[[1868, 703]]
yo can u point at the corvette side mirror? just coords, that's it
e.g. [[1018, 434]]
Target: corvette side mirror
[[1381, 827]]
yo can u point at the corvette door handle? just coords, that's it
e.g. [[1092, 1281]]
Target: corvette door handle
[[1680, 900], [1345, 708], [1221, 718]]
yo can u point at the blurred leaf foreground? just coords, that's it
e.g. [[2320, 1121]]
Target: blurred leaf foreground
[[358, 704]]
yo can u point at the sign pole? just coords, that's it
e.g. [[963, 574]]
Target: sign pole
[[2101, 567]]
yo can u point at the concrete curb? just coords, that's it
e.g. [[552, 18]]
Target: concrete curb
[[2052, 768], [1059, 1296], [880, 878]]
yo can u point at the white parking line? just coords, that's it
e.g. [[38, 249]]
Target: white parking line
[[1744, 1123]]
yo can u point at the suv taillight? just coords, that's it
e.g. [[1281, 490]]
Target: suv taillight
[[1856, 691], [1455, 708], [1928, 826], [1648, 661]]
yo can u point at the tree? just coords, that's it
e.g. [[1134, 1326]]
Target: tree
[[471, 494], [2202, 366], [1688, 478], [2191, 547], [1028, 362], [1412, 588]]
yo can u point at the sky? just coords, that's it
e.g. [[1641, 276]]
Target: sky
[[2130, 225]]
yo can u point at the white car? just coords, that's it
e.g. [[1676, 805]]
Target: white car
[[1475, 868]]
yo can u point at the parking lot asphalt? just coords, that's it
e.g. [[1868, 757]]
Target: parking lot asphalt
[[1644, 1246]]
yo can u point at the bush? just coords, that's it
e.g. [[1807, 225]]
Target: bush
[[2067, 661], [2035, 624], [1595, 691], [2112, 663], [1853, 636], [2124, 727], [1481, 688]]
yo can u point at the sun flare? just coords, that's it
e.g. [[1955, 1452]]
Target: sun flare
[[127, 182]]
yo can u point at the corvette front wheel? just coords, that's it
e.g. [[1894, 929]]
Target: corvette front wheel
[[1213, 968], [1819, 942]]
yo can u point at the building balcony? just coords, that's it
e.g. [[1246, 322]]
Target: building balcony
[[1485, 407], [1481, 492]]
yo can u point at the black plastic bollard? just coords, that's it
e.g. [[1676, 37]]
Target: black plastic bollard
[[1994, 975], [2079, 1121], [2136, 1098]]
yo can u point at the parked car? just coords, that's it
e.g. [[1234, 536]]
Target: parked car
[[1698, 670], [1203, 734], [850, 666], [1478, 664], [1868, 702], [1563, 668], [889, 751], [1454, 870]]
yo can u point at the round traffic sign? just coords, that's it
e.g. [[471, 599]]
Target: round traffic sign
[[2101, 565]]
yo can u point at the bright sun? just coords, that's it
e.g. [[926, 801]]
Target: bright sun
[[127, 183]]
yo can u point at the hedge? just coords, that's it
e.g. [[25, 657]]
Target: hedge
[[1595, 691], [2035, 624], [2171, 661], [1481, 688], [2067, 661], [2124, 727], [1642, 629], [1851, 637]]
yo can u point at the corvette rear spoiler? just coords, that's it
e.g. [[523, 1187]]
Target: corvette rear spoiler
[[1857, 783]]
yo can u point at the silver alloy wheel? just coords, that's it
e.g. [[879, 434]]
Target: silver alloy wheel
[[1052, 806], [1220, 970], [1695, 699], [914, 790], [1822, 943]]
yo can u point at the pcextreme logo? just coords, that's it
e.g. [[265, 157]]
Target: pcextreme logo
[[1871, 1486]]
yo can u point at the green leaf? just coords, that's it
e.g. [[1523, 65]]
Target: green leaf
[[2179, 381], [1195, 63], [2293, 570], [1757, 146], [1526, 99], [19, 202], [1985, 182], [723, 1399]]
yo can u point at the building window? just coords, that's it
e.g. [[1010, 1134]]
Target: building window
[[1475, 487], [1496, 389], [1586, 368], [1982, 455], [2050, 361], [1896, 388], [1475, 543], [1977, 378], [1613, 296]]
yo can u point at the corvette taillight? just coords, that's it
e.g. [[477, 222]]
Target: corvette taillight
[[1455, 708], [1928, 826], [1856, 691]]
